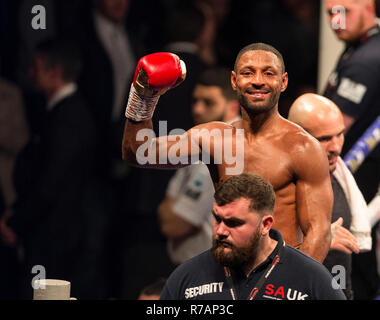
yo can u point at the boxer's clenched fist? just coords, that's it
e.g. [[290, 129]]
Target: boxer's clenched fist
[[155, 74]]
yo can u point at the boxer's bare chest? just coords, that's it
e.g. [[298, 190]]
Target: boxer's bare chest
[[271, 159]]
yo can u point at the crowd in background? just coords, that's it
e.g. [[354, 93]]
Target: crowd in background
[[119, 246]]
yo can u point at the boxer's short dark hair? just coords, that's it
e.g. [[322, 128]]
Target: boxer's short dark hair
[[249, 186], [260, 46]]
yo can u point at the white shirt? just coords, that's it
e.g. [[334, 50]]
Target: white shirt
[[61, 94], [361, 215], [116, 43], [193, 190]]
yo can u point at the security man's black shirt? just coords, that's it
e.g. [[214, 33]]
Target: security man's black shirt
[[296, 277]]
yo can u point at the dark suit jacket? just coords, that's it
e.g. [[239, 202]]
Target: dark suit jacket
[[50, 176], [97, 85]]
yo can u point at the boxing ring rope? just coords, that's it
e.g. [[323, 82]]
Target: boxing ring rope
[[363, 147]]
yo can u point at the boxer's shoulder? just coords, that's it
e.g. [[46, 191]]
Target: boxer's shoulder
[[299, 144], [213, 125], [296, 135]]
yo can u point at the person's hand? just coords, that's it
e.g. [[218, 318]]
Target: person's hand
[[342, 239], [155, 74], [8, 236]]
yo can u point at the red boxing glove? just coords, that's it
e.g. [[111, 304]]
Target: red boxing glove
[[158, 72], [155, 74]]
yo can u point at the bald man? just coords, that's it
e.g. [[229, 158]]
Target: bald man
[[321, 118]]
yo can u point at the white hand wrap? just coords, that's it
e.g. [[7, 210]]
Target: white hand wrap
[[140, 108]]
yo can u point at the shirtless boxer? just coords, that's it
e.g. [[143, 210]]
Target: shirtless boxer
[[281, 152]]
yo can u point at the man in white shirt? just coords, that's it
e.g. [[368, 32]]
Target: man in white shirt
[[109, 18], [109, 51], [185, 213]]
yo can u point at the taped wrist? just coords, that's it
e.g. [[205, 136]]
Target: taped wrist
[[140, 108]]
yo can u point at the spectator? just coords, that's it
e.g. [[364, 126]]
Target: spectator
[[109, 55], [213, 46], [185, 212], [110, 50], [13, 137], [184, 26], [52, 172], [153, 290], [353, 87], [351, 227]]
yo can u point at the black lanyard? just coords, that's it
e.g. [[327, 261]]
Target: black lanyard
[[262, 279]]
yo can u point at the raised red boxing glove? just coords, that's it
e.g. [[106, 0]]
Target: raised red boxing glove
[[155, 74], [158, 72]]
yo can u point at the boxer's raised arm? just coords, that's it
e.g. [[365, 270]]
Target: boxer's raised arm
[[142, 149], [155, 74], [213, 142], [314, 198]]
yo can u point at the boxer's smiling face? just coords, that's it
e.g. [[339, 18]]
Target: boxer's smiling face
[[259, 81]]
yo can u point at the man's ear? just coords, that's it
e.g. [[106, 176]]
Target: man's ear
[[266, 224], [233, 80], [285, 79]]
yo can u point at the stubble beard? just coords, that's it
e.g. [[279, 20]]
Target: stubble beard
[[259, 108]]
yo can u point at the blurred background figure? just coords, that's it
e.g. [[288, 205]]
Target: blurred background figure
[[214, 49], [152, 291], [110, 50], [14, 134], [184, 26], [353, 87], [52, 172], [109, 55]]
